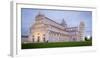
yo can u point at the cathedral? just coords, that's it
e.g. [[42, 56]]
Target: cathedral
[[45, 29]]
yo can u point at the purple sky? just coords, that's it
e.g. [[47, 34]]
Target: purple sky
[[71, 17]]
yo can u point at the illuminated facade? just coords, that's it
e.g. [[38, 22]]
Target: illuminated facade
[[46, 30]]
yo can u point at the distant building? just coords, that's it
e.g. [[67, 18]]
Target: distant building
[[46, 30]]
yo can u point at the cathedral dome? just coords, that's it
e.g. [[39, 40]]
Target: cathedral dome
[[63, 23]]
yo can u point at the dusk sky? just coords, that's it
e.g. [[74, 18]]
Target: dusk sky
[[71, 17]]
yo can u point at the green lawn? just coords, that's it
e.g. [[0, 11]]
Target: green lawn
[[55, 44]]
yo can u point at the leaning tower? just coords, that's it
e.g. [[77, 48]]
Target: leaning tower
[[81, 31]]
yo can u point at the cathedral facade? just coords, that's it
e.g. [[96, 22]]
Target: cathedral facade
[[45, 29]]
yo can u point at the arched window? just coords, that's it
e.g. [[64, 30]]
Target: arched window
[[44, 37], [38, 33], [38, 39], [74, 39], [33, 38], [43, 34]]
